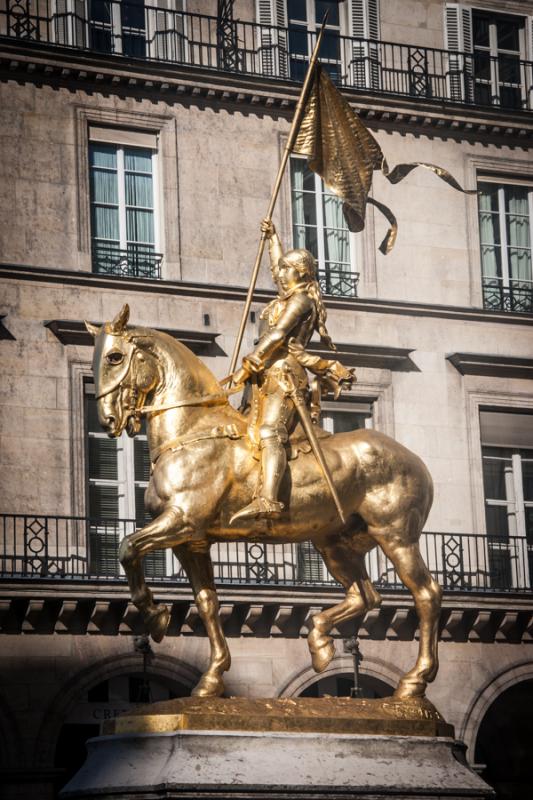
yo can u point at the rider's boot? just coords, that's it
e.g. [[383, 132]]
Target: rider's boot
[[273, 464]]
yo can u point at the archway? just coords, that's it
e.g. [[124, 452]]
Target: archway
[[504, 743], [341, 685]]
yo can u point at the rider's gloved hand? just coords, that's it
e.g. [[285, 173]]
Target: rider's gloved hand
[[267, 227]]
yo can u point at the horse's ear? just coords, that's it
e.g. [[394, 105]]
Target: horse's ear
[[121, 320], [94, 330]]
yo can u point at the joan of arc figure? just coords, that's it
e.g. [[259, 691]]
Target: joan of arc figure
[[277, 368]]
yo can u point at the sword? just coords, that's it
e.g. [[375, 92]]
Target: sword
[[307, 424]]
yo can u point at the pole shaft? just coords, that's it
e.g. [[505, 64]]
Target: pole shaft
[[298, 114]]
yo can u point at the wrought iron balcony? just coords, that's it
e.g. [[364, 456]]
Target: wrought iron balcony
[[136, 261], [141, 31], [515, 296], [52, 547], [338, 282]]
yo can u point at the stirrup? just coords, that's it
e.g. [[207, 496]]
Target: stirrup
[[260, 508]]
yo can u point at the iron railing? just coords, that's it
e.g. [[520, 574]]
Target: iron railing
[[338, 282], [54, 547], [142, 31], [517, 295], [136, 261]]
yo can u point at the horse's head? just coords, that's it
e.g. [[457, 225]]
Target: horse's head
[[125, 372]]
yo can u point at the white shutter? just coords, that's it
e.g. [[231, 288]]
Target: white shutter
[[364, 24], [166, 31], [528, 69], [272, 43], [70, 22], [458, 30]]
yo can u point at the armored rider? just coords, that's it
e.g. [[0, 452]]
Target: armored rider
[[277, 366]]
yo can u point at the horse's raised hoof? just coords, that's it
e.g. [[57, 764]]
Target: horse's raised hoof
[[409, 688], [158, 622], [209, 686], [322, 649]]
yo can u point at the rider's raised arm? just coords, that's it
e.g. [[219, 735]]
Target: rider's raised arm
[[274, 246], [298, 307]]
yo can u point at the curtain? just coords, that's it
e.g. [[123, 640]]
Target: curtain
[[139, 196], [304, 206], [518, 233], [104, 192], [336, 235], [489, 227]]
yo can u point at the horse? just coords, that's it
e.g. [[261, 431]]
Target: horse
[[204, 470]]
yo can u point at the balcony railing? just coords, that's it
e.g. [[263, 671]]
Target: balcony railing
[[135, 30], [51, 547], [338, 282], [136, 261], [514, 296]]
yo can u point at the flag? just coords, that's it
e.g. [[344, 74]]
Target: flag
[[343, 152]]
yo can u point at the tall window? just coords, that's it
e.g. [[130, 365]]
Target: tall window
[[117, 27], [118, 474], [499, 44], [319, 226], [507, 448], [305, 18], [505, 215], [123, 210]]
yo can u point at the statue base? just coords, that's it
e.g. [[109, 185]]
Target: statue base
[[208, 748]]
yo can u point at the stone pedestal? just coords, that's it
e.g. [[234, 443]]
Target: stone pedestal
[[204, 765]]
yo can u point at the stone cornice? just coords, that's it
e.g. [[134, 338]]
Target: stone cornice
[[98, 608], [32, 61], [209, 291], [496, 366]]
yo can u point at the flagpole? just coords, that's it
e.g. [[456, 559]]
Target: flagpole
[[298, 114]]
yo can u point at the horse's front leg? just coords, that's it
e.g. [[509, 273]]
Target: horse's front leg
[[167, 530], [199, 568]]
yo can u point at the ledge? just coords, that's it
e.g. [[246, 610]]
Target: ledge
[[210, 291], [75, 332], [396, 359], [104, 608], [59, 66], [494, 366]]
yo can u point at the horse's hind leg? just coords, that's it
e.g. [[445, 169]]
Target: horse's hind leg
[[199, 569], [346, 562], [427, 594]]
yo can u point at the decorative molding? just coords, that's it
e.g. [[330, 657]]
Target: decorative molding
[[396, 359], [75, 332], [494, 366], [210, 291], [4, 333], [56, 66]]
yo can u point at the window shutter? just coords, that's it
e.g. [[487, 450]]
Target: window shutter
[[458, 30], [310, 564], [365, 26], [272, 15], [69, 22], [166, 31]]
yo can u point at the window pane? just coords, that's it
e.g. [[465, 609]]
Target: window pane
[[508, 34], [297, 9], [330, 48], [138, 160], [139, 190], [304, 208], [494, 478], [307, 238], [93, 424], [497, 522], [132, 13], [102, 155], [140, 226], [105, 223], [333, 216], [509, 69], [482, 65], [344, 421], [104, 186], [520, 264], [337, 246], [142, 460], [516, 201], [327, 5], [298, 40], [103, 458], [527, 478], [481, 31], [103, 502], [488, 197]]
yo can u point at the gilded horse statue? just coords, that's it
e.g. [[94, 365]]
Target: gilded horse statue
[[203, 472]]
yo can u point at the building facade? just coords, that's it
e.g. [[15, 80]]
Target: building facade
[[140, 141]]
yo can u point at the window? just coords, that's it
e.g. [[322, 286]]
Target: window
[[305, 18], [507, 451], [499, 44], [118, 473], [117, 27], [505, 214], [319, 226], [123, 209]]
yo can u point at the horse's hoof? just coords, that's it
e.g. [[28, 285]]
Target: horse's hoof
[[209, 686], [322, 650], [158, 623], [410, 688]]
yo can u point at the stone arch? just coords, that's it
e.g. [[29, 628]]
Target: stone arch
[[162, 666], [11, 742], [511, 675], [341, 664]]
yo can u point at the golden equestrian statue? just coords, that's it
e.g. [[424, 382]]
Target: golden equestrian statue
[[204, 472]]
